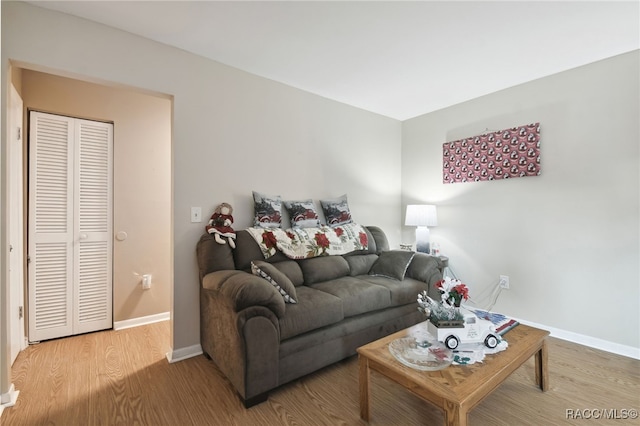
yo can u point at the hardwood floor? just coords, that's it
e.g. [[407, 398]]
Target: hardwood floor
[[123, 378]]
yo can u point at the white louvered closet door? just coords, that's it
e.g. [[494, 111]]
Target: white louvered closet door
[[70, 222]]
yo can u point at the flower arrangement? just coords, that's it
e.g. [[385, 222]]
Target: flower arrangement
[[437, 311], [452, 291]]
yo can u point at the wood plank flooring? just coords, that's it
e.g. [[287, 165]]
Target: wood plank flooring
[[123, 378]]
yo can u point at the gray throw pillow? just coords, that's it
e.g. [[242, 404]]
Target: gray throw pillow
[[302, 214], [392, 264], [268, 210], [336, 211], [276, 278]]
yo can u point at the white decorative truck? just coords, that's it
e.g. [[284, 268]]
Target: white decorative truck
[[470, 330]]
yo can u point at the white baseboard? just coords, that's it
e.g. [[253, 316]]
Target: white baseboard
[[181, 354], [135, 322], [9, 399], [592, 342]]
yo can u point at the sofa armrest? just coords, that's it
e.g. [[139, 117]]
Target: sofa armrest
[[243, 342], [427, 269], [244, 290]]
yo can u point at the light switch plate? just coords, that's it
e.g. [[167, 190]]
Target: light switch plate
[[196, 214]]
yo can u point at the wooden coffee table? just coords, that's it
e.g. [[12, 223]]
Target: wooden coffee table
[[458, 388]]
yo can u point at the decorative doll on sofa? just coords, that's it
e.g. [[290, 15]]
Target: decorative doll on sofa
[[220, 225]]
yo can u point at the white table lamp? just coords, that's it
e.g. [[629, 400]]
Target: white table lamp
[[422, 216]]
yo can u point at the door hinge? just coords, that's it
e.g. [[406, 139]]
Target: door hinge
[[19, 133], [10, 248], [28, 259], [20, 312]]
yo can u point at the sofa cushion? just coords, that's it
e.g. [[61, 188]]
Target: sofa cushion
[[392, 264], [360, 264], [276, 278], [268, 210], [292, 270], [336, 211], [357, 296], [402, 292], [373, 324], [324, 268], [315, 309]]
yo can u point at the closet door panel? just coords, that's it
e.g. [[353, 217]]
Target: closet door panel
[[50, 226], [93, 208]]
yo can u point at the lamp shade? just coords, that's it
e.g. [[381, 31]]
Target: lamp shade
[[421, 215]]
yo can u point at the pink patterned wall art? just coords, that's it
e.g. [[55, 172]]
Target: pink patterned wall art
[[503, 154]]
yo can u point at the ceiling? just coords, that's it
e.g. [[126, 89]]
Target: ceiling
[[398, 59]]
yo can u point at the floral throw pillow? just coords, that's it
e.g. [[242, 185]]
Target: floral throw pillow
[[268, 210], [302, 214], [336, 211]]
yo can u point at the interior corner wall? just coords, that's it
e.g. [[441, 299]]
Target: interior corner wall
[[568, 239], [141, 184], [233, 132]]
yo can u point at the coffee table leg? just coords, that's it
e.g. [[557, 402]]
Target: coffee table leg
[[454, 415], [364, 388], [541, 366]]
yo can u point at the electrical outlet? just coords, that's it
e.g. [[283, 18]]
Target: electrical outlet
[[504, 282]]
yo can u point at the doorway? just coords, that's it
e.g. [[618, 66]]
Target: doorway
[[142, 208]]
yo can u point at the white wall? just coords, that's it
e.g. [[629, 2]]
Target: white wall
[[568, 239], [232, 133]]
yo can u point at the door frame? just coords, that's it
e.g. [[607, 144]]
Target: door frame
[[17, 341]]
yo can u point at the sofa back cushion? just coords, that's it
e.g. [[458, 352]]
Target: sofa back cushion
[[292, 270], [325, 268], [360, 264], [247, 250], [213, 256], [216, 257], [427, 269], [380, 242]]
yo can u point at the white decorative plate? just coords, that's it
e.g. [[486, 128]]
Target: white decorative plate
[[433, 356]]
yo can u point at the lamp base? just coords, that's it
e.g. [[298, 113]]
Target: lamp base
[[422, 240]]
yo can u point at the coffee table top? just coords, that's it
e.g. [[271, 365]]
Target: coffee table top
[[461, 384]]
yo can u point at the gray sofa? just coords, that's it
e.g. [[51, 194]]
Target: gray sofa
[[260, 342]]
